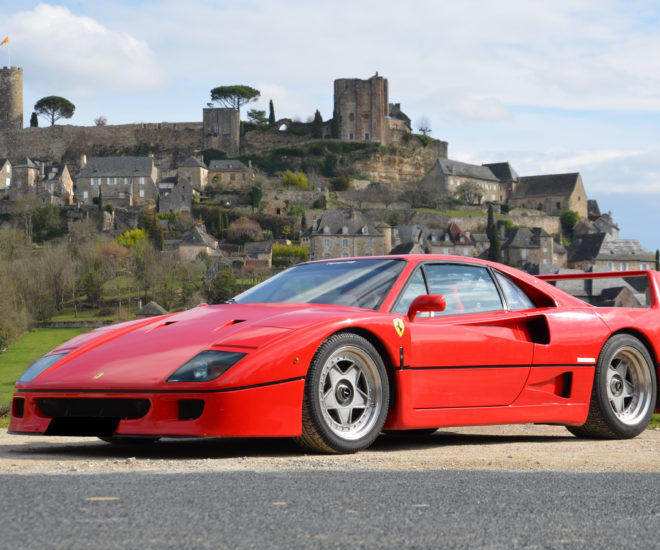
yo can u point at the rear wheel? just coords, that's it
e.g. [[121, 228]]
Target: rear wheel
[[346, 396], [624, 391]]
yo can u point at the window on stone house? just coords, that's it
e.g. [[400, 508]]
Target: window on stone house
[[351, 117], [366, 137], [610, 266], [141, 193], [365, 116], [344, 243], [112, 181], [85, 195], [127, 181], [350, 136], [142, 180], [558, 205], [96, 181], [326, 243], [232, 177], [523, 253]]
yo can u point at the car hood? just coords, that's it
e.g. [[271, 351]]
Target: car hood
[[142, 354]]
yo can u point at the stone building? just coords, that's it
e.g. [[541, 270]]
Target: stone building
[[194, 171], [523, 245], [222, 128], [452, 241], [346, 233], [124, 181], [553, 194], [11, 98], [494, 181], [195, 242], [363, 109], [178, 198], [231, 174], [56, 184], [602, 252], [24, 176]]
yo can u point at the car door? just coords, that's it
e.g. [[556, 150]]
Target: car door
[[475, 353]]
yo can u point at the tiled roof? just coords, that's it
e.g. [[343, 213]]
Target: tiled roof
[[99, 167], [193, 162], [541, 186], [25, 162], [455, 168], [198, 237], [503, 171]]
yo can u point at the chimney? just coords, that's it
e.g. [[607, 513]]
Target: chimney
[[352, 214], [83, 160]]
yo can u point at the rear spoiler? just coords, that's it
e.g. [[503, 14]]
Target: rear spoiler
[[652, 276]]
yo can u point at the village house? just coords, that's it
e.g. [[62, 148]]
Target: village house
[[602, 252], [194, 171], [553, 194], [452, 241], [24, 176], [56, 184], [259, 254], [231, 174], [523, 245], [345, 233], [176, 197], [196, 241], [124, 181], [449, 177]]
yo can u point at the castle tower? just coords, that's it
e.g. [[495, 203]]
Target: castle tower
[[11, 98], [362, 106]]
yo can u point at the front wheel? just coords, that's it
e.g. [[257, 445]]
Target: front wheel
[[346, 396], [624, 391]]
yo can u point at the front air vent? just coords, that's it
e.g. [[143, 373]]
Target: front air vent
[[93, 408]]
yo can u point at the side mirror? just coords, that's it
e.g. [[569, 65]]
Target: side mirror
[[426, 302]]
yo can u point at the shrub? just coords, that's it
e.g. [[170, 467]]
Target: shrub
[[298, 179]]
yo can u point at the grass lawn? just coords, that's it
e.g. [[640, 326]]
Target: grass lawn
[[23, 353]]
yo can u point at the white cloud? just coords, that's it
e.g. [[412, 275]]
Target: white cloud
[[73, 55]]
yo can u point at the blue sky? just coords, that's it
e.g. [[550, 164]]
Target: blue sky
[[552, 87]]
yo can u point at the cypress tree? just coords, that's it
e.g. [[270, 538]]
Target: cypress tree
[[495, 250], [271, 114], [317, 125]]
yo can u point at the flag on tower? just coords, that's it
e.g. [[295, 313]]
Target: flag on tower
[[5, 41]]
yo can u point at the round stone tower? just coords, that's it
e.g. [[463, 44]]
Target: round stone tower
[[11, 98]]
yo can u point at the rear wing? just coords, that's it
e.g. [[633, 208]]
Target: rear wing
[[640, 283]]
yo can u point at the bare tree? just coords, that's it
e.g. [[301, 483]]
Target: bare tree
[[424, 125], [101, 121], [470, 192]]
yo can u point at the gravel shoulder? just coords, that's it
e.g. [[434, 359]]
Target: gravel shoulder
[[519, 447]]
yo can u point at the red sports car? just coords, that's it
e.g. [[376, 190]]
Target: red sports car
[[334, 352]]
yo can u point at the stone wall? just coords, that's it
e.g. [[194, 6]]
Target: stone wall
[[402, 168], [169, 142], [222, 128], [361, 106]]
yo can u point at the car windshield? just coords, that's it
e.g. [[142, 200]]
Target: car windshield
[[360, 283]]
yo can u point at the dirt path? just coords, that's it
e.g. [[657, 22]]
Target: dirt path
[[525, 447]]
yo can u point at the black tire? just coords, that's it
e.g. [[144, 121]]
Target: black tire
[[624, 391], [346, 396]]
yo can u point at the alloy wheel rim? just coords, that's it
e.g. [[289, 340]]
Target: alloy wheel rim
[[629, 385]]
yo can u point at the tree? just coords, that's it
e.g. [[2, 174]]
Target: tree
[[470, 192], [222, 287], [317, 125], [495, 250], [53, 108], [271, 113], [34, 121], [334, 129], [243, 231], [423, 125], [234, 96], [100, 202], [149, 221], [568, 219], [255, 196], [257, 116], [101, 121], [295, 178]]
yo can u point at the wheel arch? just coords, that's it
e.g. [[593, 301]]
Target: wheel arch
[[652, 352], [382, 350]]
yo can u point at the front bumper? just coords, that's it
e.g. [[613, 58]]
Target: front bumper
[[270, 410]]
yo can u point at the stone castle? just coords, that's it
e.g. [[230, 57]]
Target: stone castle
[[362, 107]]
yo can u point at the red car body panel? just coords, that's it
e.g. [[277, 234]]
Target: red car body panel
[[535, 365]]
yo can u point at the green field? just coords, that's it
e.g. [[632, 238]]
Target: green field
[[22, 354]]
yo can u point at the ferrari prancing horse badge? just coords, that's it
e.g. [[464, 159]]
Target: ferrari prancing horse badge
[[399, 326]]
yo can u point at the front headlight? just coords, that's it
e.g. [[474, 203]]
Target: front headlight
[[207, 365], [40, 366]]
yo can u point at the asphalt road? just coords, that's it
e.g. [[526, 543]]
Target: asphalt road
[[331, 509]]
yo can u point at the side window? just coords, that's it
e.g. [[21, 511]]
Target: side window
[[514, 295], [415, 287], [467, 289]]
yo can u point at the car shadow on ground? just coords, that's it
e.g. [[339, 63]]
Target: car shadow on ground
[[232, 448]]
